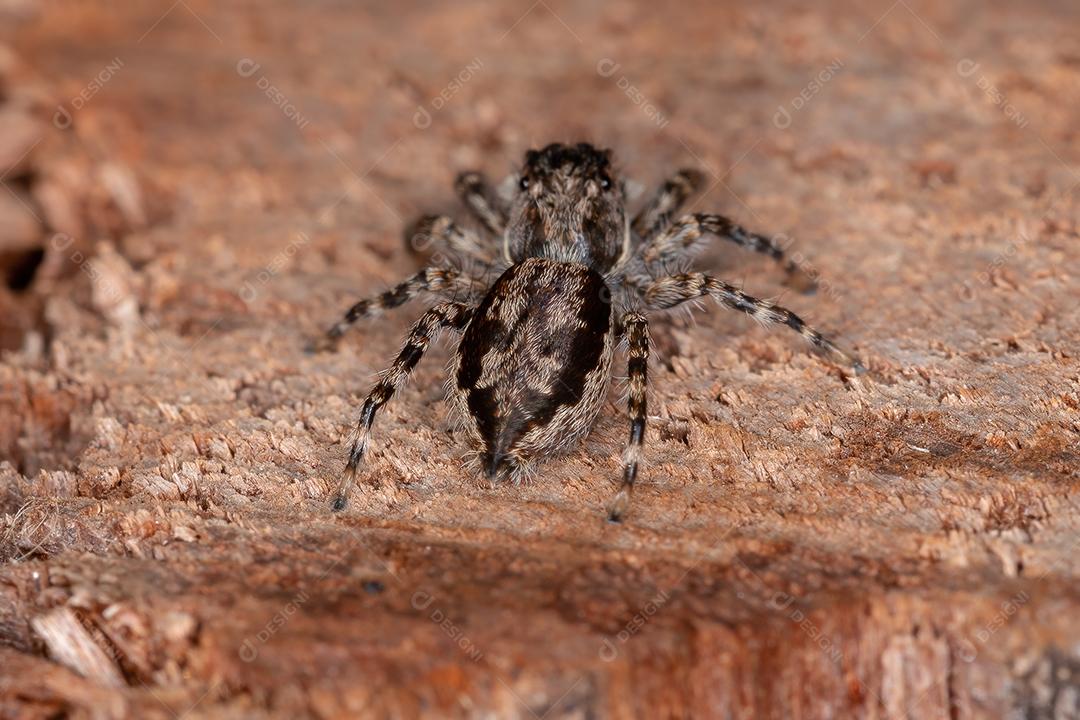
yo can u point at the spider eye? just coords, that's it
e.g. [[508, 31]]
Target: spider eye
[[524, 183], [605, 183]]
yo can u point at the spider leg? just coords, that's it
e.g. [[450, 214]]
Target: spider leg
[[673, 290], [667, 201], [683, 239], [478, 197], [425, 331], [636, 328], [432, 230], [445, 281]]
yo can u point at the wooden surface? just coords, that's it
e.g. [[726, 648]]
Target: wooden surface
[[801, 545]]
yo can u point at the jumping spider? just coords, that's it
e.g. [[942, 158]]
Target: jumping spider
[[577, 277]]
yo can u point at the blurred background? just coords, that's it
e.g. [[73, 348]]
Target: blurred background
[[193, 190]]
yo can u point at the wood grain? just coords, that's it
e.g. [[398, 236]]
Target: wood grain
[[800, 545]]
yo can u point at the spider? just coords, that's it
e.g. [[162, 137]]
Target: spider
[[576, 277]]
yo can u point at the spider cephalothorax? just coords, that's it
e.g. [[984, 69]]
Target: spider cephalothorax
[[568, 208], [574, 279]]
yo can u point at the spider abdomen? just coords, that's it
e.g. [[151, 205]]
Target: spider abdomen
[[531, 371]]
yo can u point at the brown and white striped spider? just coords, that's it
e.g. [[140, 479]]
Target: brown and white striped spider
[[576, 276]]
